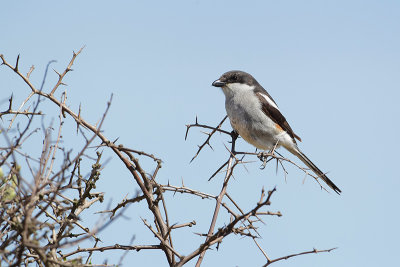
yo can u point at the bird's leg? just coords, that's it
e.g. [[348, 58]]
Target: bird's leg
[[234, 136], [263, 156]]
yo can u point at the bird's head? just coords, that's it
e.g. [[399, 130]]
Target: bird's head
[[235, 81]]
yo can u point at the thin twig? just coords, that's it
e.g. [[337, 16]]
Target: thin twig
[[314, 251], [207, 141]]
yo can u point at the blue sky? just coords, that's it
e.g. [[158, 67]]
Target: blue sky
[[332, 67]]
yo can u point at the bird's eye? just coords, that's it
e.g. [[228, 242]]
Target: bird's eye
[[234, 78]]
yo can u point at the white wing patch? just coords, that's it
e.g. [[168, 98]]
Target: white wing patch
[[269, 100]]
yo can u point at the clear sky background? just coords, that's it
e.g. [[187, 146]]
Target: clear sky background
[[333, 67]]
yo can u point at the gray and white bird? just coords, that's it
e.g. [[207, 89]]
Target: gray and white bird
[[255, 116]]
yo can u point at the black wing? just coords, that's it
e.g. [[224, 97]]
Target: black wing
[[276, 116]]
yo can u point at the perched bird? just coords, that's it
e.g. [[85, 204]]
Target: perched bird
[[255, 116]]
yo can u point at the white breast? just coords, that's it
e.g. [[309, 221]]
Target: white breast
[[244, 111]]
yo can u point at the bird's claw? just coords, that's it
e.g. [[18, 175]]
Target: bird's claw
[[263, 156]]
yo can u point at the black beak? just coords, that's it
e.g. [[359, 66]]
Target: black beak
[[218, 83]]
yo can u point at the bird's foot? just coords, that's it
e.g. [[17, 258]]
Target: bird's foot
[[263, 156]]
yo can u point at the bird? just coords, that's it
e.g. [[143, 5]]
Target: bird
[[256, 117]]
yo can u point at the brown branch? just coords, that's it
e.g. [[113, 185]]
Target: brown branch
[[186, 190], [314, 251], [114, 247], [221, 195], [189, 224], [7, 112], [263, 155], [140, 153], [223, 232], [67, 69], [162, 240], [218, 170], [123, 203], [132, 164], [63, 211], [278, 213], [207, 142]]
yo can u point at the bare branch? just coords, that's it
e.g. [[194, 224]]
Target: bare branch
[[68, 69], [207, 142], [314, 251], [114, 247], [40, 214]]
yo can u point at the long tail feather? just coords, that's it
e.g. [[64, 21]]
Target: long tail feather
[[315, 169]]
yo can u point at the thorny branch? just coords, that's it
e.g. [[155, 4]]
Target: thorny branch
[[40, 215], [314, 251], [207, 141]]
